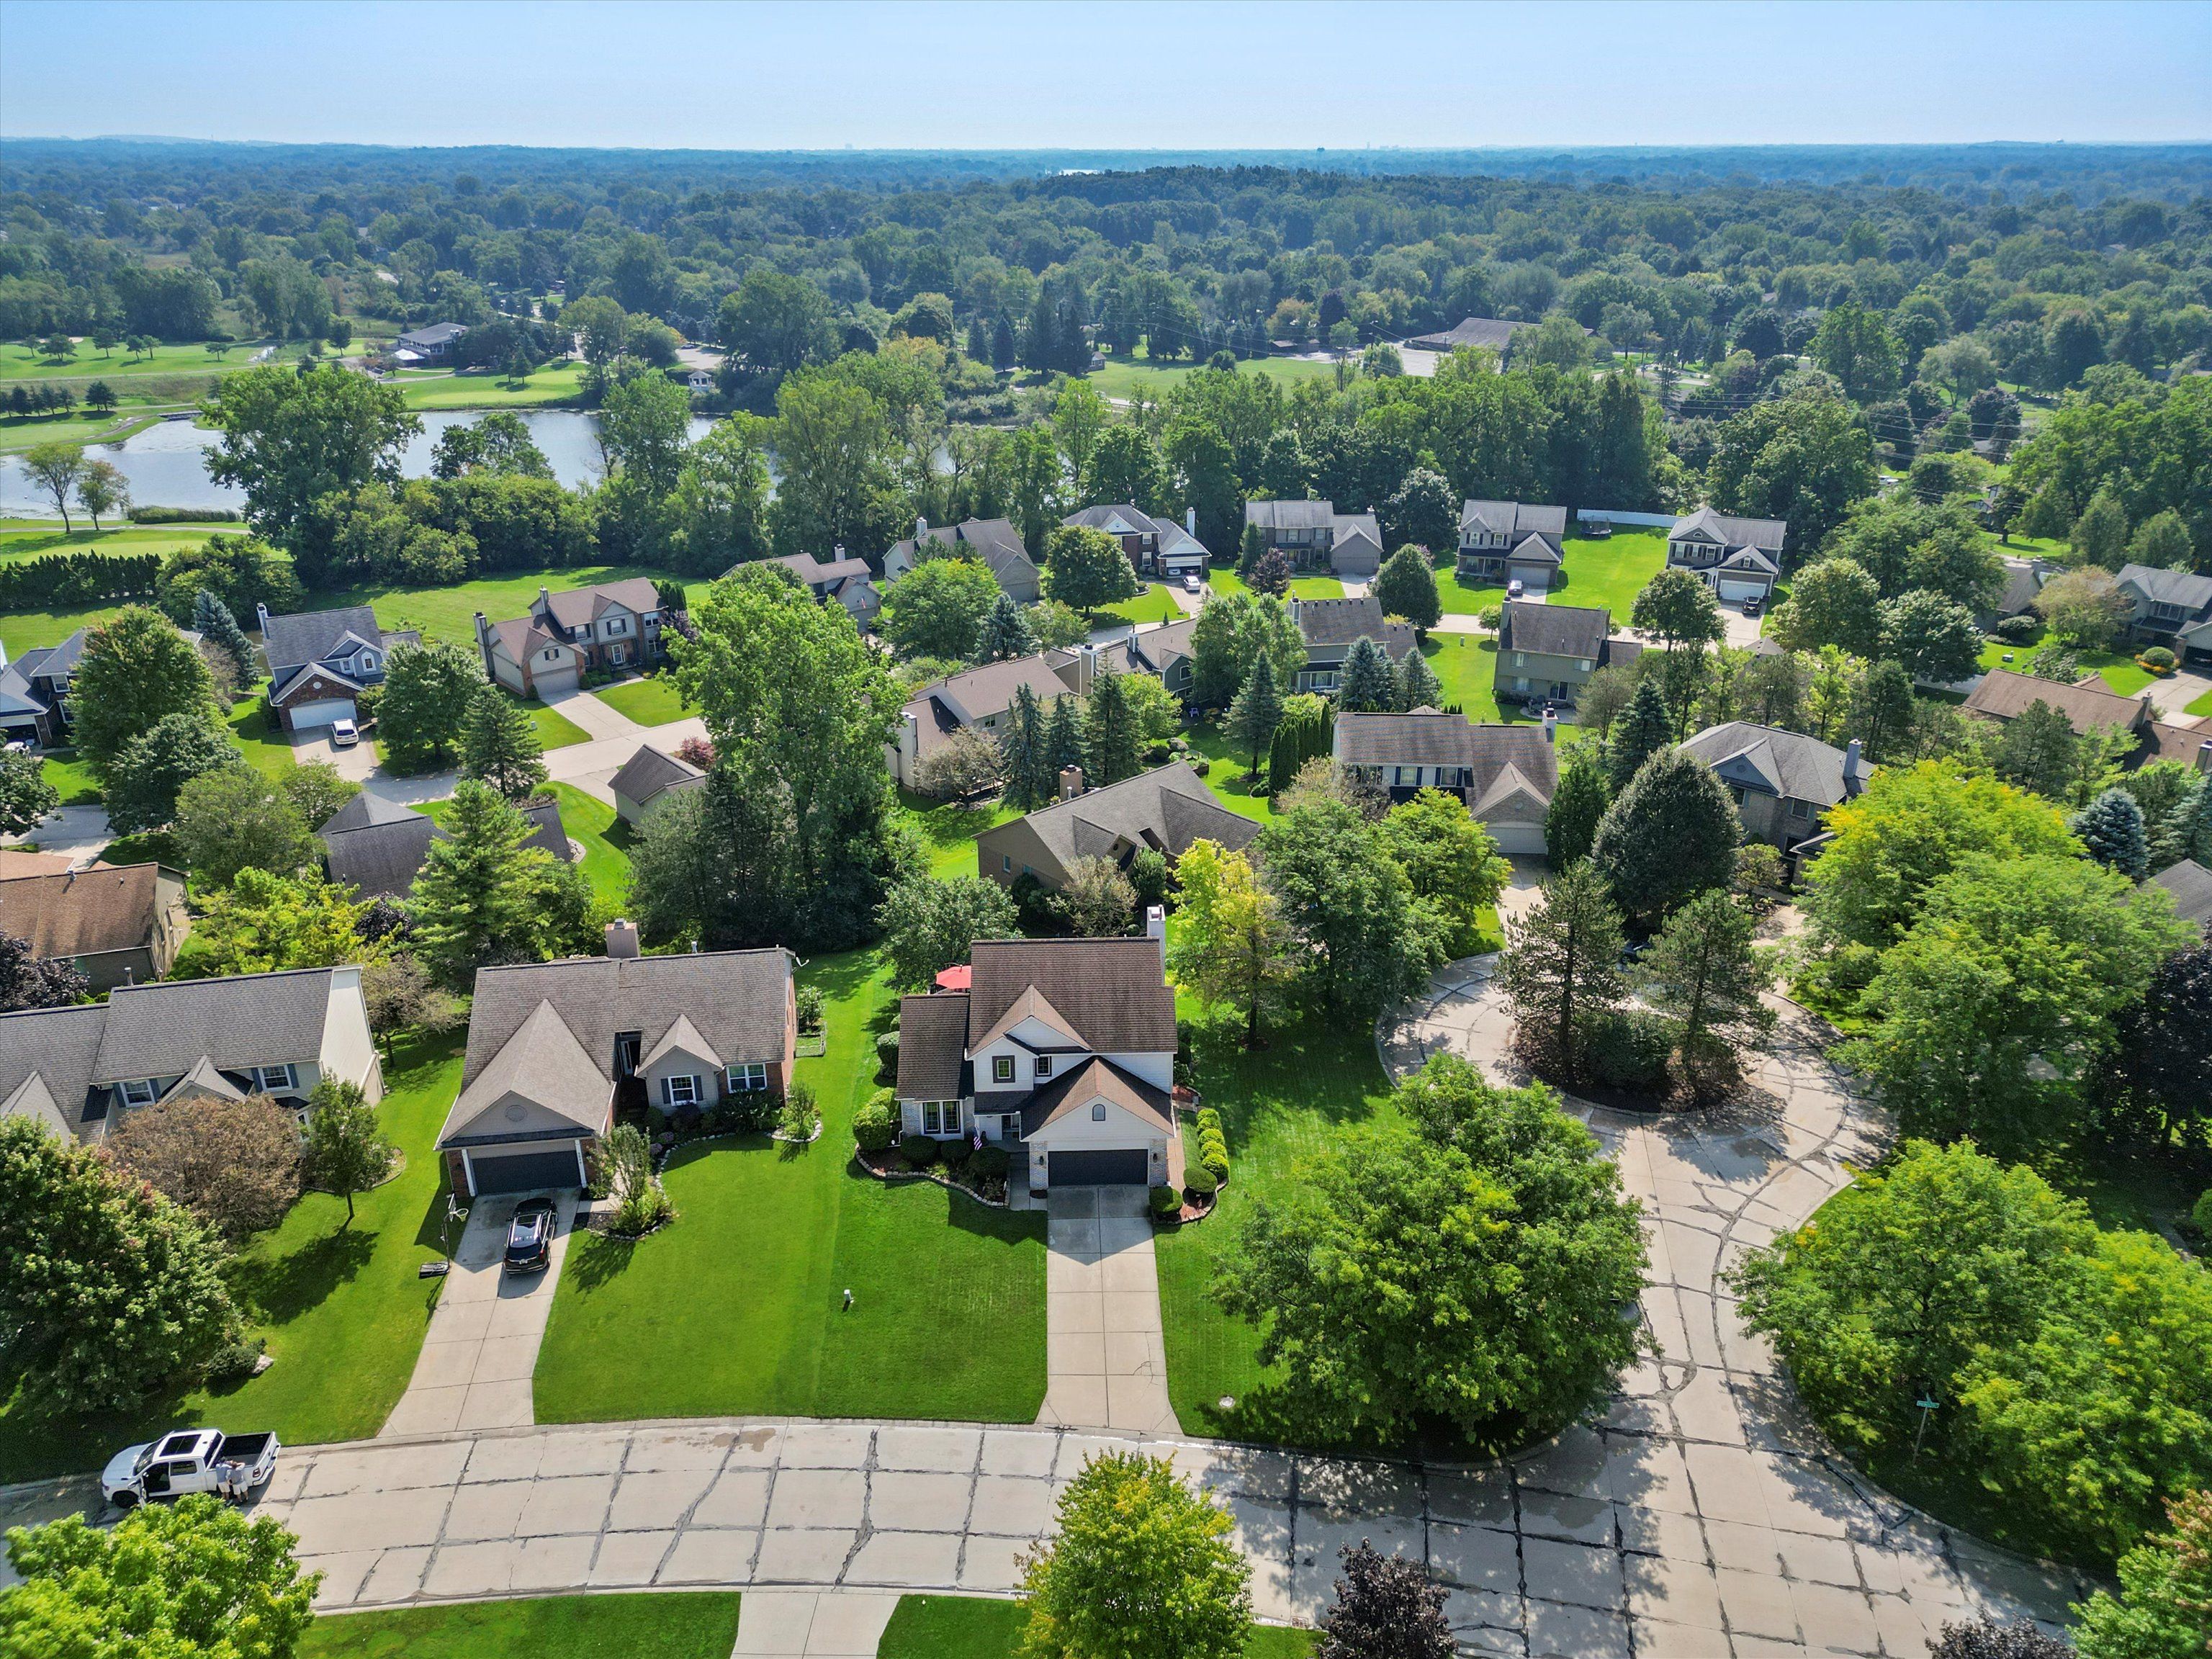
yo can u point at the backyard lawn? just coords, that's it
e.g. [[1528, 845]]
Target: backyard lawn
[[972, 1627], [2120, 671], [1609, 572], [1154, 604], [1128, 377], [448, 613], [268, 749], [691, 1625], [1225, 581], [736, 1308], [1278, 1104], [949, 831], [587, 819], [650, 699], [1468, 666], [341, 1307]]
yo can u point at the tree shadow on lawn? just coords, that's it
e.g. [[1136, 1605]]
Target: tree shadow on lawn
[[597, 1260], [282, 1288], [961, 1212]]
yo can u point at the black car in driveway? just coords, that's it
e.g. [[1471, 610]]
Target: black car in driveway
[[530, 1237]]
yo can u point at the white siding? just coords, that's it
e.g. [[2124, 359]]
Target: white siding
[[348, 1048]]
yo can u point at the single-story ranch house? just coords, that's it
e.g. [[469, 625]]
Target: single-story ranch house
[[1507, 774], [1784, 782], [380, 846], [78, 1069], [648, 775], [1165, 808], [2004, 695], [116, 924], [1062, 1050], [550, 1043]]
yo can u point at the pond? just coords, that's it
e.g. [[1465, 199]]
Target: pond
[[165, 464]]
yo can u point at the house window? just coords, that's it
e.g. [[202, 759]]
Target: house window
[[750, 1078], [1800, 808], [271, 1079], [1002, 1068], [1097, 1111], [617, 625], [1006, 862], [678, 1092], [1044, 1064], [368, 661], [1520, 658], [139, 1093], [1583, 665], [940, 1117]]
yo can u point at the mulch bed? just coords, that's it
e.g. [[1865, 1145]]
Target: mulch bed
[[888, 1165]]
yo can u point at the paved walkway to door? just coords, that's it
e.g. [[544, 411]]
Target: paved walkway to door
[[477, 1356], [1105, 1360]]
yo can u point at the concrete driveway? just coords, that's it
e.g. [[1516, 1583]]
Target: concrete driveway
[[356, 761], [1106, 1365], [479, 1353], [75, 833]]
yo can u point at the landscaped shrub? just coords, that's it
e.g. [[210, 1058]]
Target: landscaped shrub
[[234, 1362], [875, 1125], [989, 1161], [1630, 1050], [797, 1118], [1199, 1184], [1213, 1155], [810, 1001], [1157, 753], [1209, 1120], [183, 515], [2158, 659], [2019, 630], [2201, 1214], [887, 1054], [1166, 1201], [1488, 618], [955, 1154], [1200, 765], [919, 1151]]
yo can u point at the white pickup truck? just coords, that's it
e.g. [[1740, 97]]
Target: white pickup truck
[[232, 1465]]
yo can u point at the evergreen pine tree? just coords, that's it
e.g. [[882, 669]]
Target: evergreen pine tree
[[1671, 834], [1029, 773], [1002, 343], [1644, 727], [1366, 687], [1418, 684], [472, 901], [1063, 742], [1255, 711], [979, 342], [1109, 737], [2187, 831], [2112, 832], [1577, 804], [500, 746], [1561, 970], [212, 622], [1005, 634]]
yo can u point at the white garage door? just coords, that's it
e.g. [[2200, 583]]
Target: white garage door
[[1738, 591], [1518, 840], [308, 715], [554, 681]]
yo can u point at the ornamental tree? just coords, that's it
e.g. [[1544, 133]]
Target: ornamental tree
[[1385, 1608], [136, 670], [1140, 1566], [428, 691], [25, 797], [346, 1151], [2111, 829], [1363, 941], [1086, 569], [30, 982], [233, 1163], [1455, 866], [1097, 900], [2166, 1593], [1406, 587], [1671, 834], [1232, 945]]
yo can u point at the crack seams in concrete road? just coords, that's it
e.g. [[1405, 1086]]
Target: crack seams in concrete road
[[867, 1529]]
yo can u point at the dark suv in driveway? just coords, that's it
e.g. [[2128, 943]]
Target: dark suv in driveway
[[530, 1237]]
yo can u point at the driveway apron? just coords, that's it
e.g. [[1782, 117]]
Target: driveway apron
[[811, 1624], [1105, 1358], [478, 1357]]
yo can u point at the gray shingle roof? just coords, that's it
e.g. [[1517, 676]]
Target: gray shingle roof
[[2003, 695], [1289, 515], [737, 998], [995, 542], [59, 1048], [1113, 990], [308, 637], [2190, 592], [1327, 622], [572, 607], [1429, 738], [1514, 519], [250, 1019], [1167, 809], [1787, 764], [384, 853], [2189, 883], [1487, 333], [1557, 630], [649, 771], [1764, 533], [933, 1046]]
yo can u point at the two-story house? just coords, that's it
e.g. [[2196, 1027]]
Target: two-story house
[[2091, 705], [119, 925], [1156, 547], [1062, 1050], [1784, 782], [847, 582], [1547, 653], [320, 660], [78, 1070], [1331, 627], [983, 698], [1507, 774], [612, 625], [992, 543], [2173, 608], [1166, 810], [1740, 559], [1163, 651], [1511, 541], [35, 693], [550, 1043], [1314, 535]]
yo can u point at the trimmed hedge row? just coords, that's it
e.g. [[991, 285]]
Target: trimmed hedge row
[[183, 515], [54, 579]]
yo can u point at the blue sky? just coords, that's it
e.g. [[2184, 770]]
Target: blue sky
[[1180, 76]]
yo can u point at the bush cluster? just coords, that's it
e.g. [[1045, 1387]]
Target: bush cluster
[[920, 1152], [875, 1125], [1212, 1146]]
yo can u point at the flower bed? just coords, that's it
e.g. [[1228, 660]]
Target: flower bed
[[888, 1165]]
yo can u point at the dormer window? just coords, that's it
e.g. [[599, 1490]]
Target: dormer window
[[1044, 1066], [139, 1092]]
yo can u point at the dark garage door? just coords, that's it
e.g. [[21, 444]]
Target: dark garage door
[[1099, 1169], [525, 1172]]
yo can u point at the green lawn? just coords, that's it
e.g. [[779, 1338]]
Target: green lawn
[[71, 778], [1229, 773], [650, 699], [2120, 671], [341, 1307], [1610, 573], [972, 1627], [1278, 1104], [2202, 705], [21, 362], [736, 1308], [691, 1625], [555, 729], [949, 831], [1126, 377], [1468, 666], [268, 749], [1154, 604], [1466, 598], [1225, 580], [448, 613], [557, 383], [79, 427], [605, 837], [24, 538]]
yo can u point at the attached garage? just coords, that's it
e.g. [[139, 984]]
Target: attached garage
[[1129, 1168], [308, 715], [1736, 591], [1518, 840], [553, 682], [552, 1167]]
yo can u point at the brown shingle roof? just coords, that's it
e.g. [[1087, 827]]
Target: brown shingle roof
[[2005, 696], [1113, 990], [932, 1047], [1097, 1079], [83, 913]]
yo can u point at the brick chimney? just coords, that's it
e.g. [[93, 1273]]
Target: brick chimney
[[622, 939], [1071, 782], [2204, 756]]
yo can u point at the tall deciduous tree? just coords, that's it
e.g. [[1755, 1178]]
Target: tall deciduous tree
[[234, 817], [500, 744], [720, 503], [938, 609], [103, 490], [928, 926], [1364, 942], [1086, 569], [262, 923], [145, 781], [25, 797], [233, 1163], [1455, 866], [836, 446], [1406, 586], [428, 691], [1933, 638], [1230, 632], [56, 468], [1834, 602], [136, 668], [111, 1289], [1232, 945], [1803, 458], [1678, 610], [1561, 969]]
